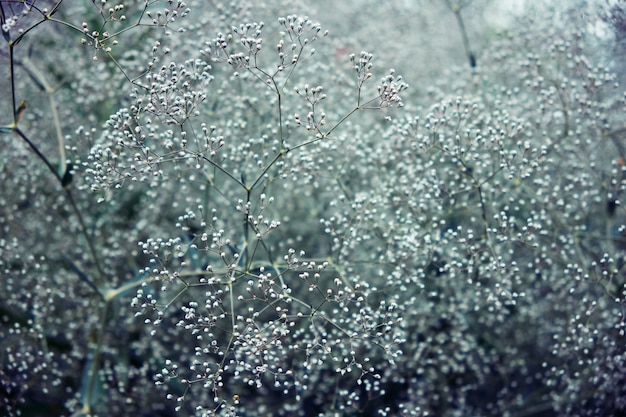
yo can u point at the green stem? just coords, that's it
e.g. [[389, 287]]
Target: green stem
[[70, 199], [95, 363], [456, 9]]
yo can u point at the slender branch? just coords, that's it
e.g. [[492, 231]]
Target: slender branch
[[12, 80], [456, 9], [70, 199], [95, 363]]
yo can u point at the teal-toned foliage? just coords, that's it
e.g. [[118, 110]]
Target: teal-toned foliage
[[223, 209]]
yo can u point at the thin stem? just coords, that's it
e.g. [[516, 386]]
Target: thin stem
[[39, 79], [466, 45], [70, 199], [219, 168], [246, 227], [45, 18], [59, 133], [456, 9], [12, 77], [95, 364]]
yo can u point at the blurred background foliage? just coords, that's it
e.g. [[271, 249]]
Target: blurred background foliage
[[481, 222]]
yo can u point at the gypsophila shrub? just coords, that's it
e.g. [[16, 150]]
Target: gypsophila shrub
[[144, 147], [55, 297], [209, 209], [272, 319], [505, 212]]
